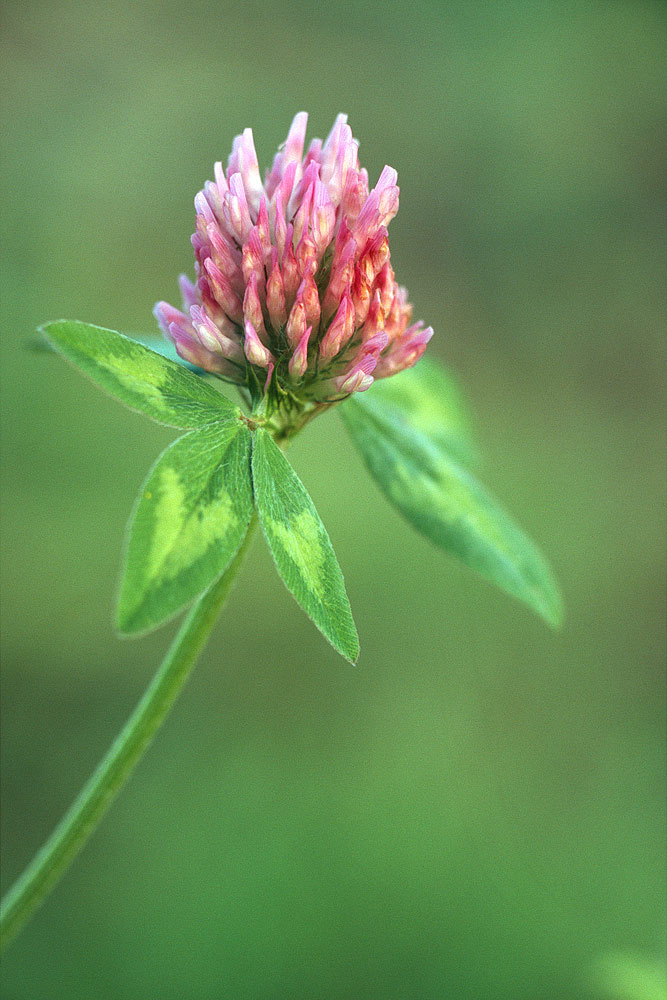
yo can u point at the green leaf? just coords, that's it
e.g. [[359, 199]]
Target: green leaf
[[139, 377], [191, 516], [300, 545], [447, 504], [427, 398]]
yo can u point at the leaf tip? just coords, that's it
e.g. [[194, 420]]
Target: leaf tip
[[351, 651], [554, 615], [131, 619], [49, 330], [135, 624], [547, 600], [125, 620]]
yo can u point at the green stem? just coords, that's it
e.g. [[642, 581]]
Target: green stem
[[82, 819]]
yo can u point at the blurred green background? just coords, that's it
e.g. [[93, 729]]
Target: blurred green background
[[477, 809]]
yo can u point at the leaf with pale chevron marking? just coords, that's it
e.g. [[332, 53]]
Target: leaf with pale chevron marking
[[191, 517], [300, 545], [427, 398], [140, 378], [448, 505]]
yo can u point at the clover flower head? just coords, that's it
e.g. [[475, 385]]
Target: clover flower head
[[295, 296]]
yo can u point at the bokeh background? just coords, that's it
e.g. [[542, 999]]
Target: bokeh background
[[477, 809]]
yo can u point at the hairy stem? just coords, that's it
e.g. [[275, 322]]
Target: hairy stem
[[50, 863]]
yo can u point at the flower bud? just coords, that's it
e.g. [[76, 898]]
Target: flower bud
[[296, 323], [223, 292], [255, 351], [299, 360], [340, 330], [252, 307], [275, 295]]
